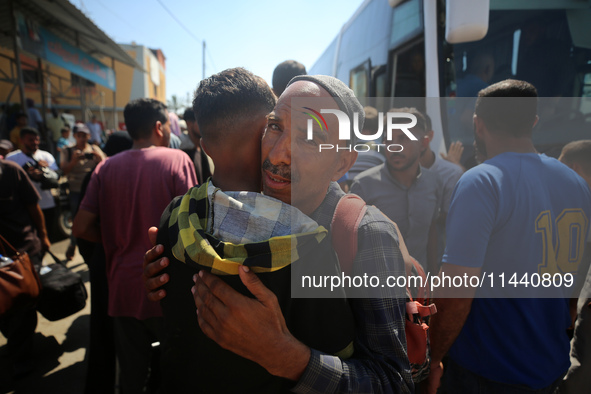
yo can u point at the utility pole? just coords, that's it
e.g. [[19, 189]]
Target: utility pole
[[17, 58], [115, 117], [203, 56]]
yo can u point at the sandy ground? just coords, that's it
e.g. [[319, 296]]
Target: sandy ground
[[60, 347]]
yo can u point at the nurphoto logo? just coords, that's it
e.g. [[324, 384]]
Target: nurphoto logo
[[345, 129]]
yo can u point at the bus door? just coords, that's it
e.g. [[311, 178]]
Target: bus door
[[407, 78]]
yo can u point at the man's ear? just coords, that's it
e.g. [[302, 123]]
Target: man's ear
[[577, 168], [346, 161], [425, 140], [479, 126], [158, 129], [430, 135]]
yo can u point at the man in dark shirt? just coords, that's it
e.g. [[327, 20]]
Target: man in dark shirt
[[23, 225]]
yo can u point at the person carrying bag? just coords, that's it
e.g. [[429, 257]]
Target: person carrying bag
[[19, 282]]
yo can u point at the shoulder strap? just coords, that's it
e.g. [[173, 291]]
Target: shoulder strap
[[4, 241], [343, 227]]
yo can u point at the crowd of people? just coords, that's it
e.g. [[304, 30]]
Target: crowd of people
[[196, 249]]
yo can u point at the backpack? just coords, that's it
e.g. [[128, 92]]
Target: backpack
[[344, 226]]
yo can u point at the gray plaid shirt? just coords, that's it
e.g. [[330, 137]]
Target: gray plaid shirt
[[380, 362]]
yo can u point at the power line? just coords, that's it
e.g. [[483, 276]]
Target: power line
[[126, 23], [179, 22], [215, 69]]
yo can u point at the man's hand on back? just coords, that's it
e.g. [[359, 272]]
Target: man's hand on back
[[253, 328], [153, 265]]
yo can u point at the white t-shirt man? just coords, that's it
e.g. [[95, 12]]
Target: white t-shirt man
[[20, 158]]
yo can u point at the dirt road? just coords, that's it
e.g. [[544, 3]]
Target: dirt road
[[60, 347]]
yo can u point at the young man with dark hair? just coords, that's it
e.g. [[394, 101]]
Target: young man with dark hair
[[508, 215], [284, 72], [125, 196], [407, 193], [230, 109], [142, 115]]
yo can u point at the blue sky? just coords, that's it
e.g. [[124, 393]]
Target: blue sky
[[256, 35]]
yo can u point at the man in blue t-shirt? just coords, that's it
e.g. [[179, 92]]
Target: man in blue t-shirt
[[518, 212]]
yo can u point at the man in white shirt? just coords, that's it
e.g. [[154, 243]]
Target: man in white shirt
[[42, 164]]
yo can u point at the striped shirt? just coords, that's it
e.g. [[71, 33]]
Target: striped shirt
[[380, 362]]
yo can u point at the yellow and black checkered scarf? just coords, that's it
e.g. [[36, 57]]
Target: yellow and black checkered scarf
[[326, 324], [187, 228]]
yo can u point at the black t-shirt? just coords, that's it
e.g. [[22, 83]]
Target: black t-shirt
[[192, 361], [16, 193]]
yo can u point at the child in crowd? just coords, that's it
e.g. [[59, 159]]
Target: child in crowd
[[62, 143]]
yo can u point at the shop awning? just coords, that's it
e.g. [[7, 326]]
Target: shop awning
[[65, 21]]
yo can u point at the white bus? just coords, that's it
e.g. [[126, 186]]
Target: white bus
[[429, 48]]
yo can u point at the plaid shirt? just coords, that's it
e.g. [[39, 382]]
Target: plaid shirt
[[380, 362]]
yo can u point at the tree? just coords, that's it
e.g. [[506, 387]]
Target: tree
[[173, 103]]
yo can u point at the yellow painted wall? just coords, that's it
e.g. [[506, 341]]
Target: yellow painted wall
[[162, 96], [124, 77], [155, 92], [63, 93]]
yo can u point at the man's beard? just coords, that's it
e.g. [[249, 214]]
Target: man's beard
[[284, 171], [480, 148], [404, 167]]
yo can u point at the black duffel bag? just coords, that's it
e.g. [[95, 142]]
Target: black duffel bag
[[62, 291]]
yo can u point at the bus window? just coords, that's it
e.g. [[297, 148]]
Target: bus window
[[380, 80], [586, 94], [359, 80], [535, 46], [408, 75], [407, 22], [548, 48], [587, 86]]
